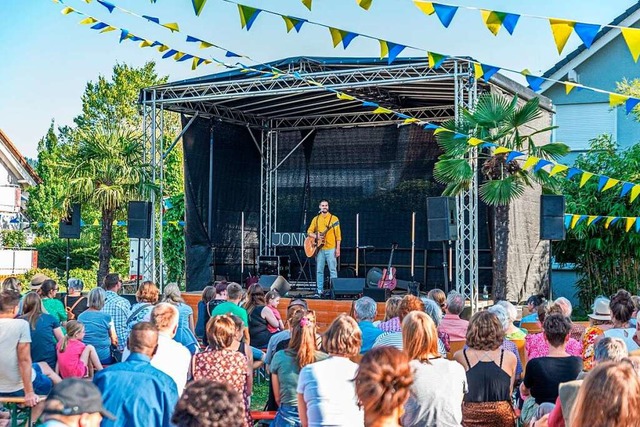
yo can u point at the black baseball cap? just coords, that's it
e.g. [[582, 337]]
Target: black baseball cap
[[77, 397]]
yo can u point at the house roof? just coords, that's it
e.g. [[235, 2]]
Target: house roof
[[16, 161], [581, 53]]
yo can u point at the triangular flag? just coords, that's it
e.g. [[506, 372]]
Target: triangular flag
[[637, 225], [394, 51], [610, 182], [632, 38], [169, 54], [293, 23], [629, 223], [561, 30], [425, 6], [567, 220], [630, 104], [513, 155], [196, 62], [634, 193], [573, 172], [509, 22], [441, 129], [488, 71], [88, 20], [99, 26], [230, 54], [146, 43], [492, 20], [365, 4], [248, 15], [445, 13], [370, 104], [382, 110], [430, 126], [384, 49], [501, 150], [402, 116], [307, 3], [152, 19], [577, 219], [535, 82], [626, 187], [557, 169], [198, 5], [568, 87], [586, 176], [592, 219], [611, 220], [532, 160], [108, 5], [435, 59], [344, 96], [542, 163], [124, 34], [173, 26], [107, 29], [586, 32], [336, 35], [67, 10], [477, 70], [473, 141], [616, 99], [410, 120], [162, 48]]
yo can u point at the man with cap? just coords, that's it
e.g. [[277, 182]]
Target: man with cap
[[74, 403]]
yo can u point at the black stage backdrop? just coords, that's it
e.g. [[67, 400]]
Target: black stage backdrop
[[382, 173]]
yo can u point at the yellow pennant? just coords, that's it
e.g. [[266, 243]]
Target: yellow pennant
[[629, 223], [88, 21], [365, 4], [336, 36], [491, 20], [477, 70], [635, 191], [307, 3], [107, 29], [382, 110], [173, 26], [561, 29], [162, 48], [585, 177], [568, 87], [194, 63], [574, 220], [178, 55], [67, 10], [557, 169], [632, 38], [204, 45], [531, 161], [440, 130], [607, 223], [384, 49], [591, 218], [146, 43], [473, 141], [410, 120], [616, 99], [425, 6], [610, 183], [344, 96], [501, 150]]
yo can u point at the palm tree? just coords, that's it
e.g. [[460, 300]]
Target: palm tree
[[501, 121], [106, 171]]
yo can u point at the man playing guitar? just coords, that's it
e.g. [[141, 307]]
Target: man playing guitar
[[330, 249]]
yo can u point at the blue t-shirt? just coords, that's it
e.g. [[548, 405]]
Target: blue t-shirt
[[369, 334], [184, 335], [43, 342], [96, 332]]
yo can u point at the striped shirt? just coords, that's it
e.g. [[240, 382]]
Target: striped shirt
[[119, 309]]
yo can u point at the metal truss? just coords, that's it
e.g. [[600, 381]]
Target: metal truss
[[467, 201], [268, 190]]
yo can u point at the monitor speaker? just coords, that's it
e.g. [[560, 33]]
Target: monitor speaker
[[442, 219], [346, 288], [376, 294], [271, 282], [139, 220], [69, 226], [552, 217]]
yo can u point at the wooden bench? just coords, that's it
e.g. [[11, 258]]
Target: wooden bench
[[19, 413], [455, 346], [258, 416]]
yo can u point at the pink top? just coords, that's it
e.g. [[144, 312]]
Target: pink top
[[391, 325], [454, 326], [69, 362], [276, 313], [537, 346]]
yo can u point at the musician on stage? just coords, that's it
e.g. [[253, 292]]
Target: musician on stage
[[330, 250]]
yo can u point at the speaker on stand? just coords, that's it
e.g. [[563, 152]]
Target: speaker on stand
[[552, 225], [69, 228], [139, 217], [442, 226]]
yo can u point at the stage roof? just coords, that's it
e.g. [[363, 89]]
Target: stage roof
[[408, 85]]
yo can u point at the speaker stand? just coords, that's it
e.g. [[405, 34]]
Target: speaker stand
[[138, 268], [445, 267], [67, 259]]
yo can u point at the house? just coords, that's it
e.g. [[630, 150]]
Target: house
[[582, 115], [16, 176]]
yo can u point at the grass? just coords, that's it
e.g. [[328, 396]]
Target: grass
[[260, 396]]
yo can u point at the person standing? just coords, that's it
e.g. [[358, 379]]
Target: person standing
[[330, 250]]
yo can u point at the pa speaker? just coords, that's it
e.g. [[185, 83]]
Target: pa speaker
[[266, 280], [552, 218], [346, 288], [139, 220], [376, 294], [442, 219], [69, 227]]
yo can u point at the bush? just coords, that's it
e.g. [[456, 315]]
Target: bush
[[88, 276], [13, 239], [25, 279], [52, 254]]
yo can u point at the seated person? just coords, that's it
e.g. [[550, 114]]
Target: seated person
[[451, 323]]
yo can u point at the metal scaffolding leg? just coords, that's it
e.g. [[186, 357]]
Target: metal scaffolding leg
[[467, 201], [268, 190]]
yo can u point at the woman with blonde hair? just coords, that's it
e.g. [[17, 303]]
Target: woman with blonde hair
[[185, 334], [439, 297], [146, 297], [439, 384], [286, 365], [326, 393], [609, 397], [382, 386]]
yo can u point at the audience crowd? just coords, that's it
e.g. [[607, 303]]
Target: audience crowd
[[101, 361]]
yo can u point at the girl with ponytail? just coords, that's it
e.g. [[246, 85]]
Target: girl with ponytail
[[75, 358], [286, 364]]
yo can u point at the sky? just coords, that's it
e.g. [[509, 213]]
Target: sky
[[48, 58]]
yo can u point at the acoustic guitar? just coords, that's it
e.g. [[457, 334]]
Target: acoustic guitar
[[388, 279], [312, 244]]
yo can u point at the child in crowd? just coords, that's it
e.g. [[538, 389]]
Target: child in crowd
[[75, 358], [273, 299]]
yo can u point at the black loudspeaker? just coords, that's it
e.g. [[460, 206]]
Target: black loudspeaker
[[139, 220], [442, 219], [376, 294], [274, 266], [272, 282], [346, 288], [69, 227], [552, 218]]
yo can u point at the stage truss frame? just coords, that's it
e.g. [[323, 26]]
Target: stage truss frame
[[273, 105]]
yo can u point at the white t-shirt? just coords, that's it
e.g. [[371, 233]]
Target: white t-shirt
[[330, 393], [12, 333]]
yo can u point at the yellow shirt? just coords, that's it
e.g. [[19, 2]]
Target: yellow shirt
[[320, 223]]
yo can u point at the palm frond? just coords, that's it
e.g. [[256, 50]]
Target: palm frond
[[554, 150], [492, 109], [455, 189], [501, 191], [524, 114], [449, 171]]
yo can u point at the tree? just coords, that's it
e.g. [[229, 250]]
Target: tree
[[105, 171], [504, 122]]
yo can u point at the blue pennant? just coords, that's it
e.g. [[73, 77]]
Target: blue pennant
[[123, 34], [509, 22], [626, 187], [586, 32], [614, 220], [135, 38], [191, 39], [230, 54], [460, 136], [445, 13], [582, 218], [82, 223], [567, 220], [297, 75], [298, 24], [151, 18], [513, 155], [630, 104], [488, 71], [347, 39], [169, 53], [573, 172], [602, 182], [535, 82], [370, 104], [488, 145], [121, 223], [430, 126], [99, 26], [541, 163], [181, 223], [394, 51], [185, 57], [598, 218], [637, 225], [107, 5], [402, 116]]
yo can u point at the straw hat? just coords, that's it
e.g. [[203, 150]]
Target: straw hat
[[601, 310], [36, 281]]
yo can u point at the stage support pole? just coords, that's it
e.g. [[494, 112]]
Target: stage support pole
[[242, 247], [357, 244]]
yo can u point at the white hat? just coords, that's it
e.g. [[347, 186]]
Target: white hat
[[601, 309]]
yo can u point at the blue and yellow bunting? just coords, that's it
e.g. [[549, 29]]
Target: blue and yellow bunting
[[571, 221]]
